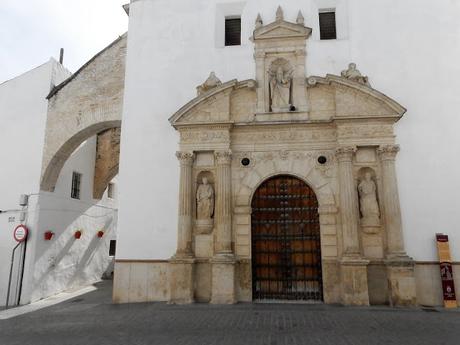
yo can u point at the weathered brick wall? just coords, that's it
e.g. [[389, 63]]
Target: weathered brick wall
[[107, 160], [86, 104]]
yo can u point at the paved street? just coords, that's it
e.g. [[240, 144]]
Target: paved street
[[92, 319]]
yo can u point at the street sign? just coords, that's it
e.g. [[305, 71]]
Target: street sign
[[20, 233]]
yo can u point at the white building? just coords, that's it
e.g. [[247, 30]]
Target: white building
[[285, 118], [62, 262]]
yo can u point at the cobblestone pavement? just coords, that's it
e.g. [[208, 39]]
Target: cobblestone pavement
[[92, 319]]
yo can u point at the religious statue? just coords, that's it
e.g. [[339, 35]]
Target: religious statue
[[280, 87], [353, 74], [205, 200], [368, 201]]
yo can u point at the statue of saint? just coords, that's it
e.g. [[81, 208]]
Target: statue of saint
[[354, 74], [280, 88], [205, 200], [368, 201]]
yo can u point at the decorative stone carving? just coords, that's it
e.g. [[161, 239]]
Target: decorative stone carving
[[210, 83], [204, 206], [259, 21], [280, 75], [300, 18], [369, 206], [353, 74], [279, 14]]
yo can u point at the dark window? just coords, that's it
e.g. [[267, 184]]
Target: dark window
[[76, 182], [233, 31], [112, 248], [327, 27], [111, 191]]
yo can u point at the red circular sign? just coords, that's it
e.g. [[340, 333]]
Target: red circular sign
[[20, 233]]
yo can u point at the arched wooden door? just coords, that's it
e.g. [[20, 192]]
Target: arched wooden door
[[286, 247]]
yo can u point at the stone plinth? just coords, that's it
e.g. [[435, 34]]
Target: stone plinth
[[353, 273], [181, 282], [401, 281], [223, 279]]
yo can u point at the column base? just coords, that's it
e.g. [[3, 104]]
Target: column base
[[355, 290], [181, 280], [401, 280], [223, 279]]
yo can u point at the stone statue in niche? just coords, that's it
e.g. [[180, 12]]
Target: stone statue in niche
[[204, 206], [368, 202], [280, 85], [353, 74]]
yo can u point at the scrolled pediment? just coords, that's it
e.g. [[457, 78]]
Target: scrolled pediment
[[354, 99], [210, 107]]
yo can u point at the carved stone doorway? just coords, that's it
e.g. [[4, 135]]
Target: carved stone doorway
[[286, 246]]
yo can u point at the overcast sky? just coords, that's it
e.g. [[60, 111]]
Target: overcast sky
[[31, 31]]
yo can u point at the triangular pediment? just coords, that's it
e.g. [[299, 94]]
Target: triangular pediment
[[281, 29]]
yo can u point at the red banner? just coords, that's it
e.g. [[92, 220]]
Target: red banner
[[447, 275]]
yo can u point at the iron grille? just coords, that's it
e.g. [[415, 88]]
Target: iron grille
[[286, 246]]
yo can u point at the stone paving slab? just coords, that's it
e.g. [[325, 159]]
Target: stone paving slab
[[92, 319]]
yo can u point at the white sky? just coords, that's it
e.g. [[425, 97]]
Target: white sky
[[31, 31]]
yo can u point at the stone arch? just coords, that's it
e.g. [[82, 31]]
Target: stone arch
[[318, 184], [86, 104], [53, 168]]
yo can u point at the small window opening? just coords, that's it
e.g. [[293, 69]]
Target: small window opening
[[76, 184], [327, 25], [112, 247], [111, 191], [232, 31]]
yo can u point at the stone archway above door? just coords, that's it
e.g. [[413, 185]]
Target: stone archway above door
[[327, 131]]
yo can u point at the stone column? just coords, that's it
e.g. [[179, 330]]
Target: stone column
[[400, 267], [353, 266], [184, 238], [181, 273], [223, 262], [299, 83], [262, 88]]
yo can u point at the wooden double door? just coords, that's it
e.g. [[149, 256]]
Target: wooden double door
[[286, 247]]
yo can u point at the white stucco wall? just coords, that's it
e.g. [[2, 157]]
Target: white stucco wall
[[65, 262], [409, 49], [23, 108]]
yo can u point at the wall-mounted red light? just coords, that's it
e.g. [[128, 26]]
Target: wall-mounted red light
[[100, 233], [77, 234], [48, 235]]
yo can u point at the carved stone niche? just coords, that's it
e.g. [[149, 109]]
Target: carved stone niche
[[204, 203], [370, 211], [280, 50]]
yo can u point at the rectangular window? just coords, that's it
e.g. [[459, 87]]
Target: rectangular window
[[76, 182], [111, 191], [232, 31], [112, 247], [327, 25]]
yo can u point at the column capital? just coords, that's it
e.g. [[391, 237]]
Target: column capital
[[185, 158], [345, 153], [388, 152], [223, 157]]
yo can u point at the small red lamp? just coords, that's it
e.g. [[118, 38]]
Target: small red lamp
[[77, 234], [100, 233], [48, 235]]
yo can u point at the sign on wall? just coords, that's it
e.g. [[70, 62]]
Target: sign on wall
[[447, 275], [20, 233]]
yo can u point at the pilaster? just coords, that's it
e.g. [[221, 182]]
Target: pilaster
[[400, 267], [353, 267]]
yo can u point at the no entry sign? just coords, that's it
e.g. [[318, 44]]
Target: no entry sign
[[20, 233]]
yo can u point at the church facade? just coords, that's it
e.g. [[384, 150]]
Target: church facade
[[285, 150], [288, 173]]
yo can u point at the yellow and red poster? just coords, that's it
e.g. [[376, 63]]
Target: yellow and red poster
[[447, 275]]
